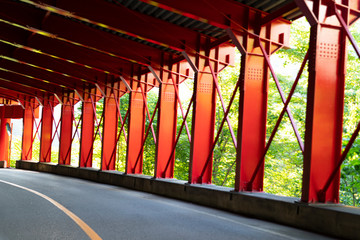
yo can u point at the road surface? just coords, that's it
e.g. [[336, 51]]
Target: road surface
[[39, 206]]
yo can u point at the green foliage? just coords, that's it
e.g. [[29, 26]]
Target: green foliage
[[149, 148], [182, 154], [224, 158]]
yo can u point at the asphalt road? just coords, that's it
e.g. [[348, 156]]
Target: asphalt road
[[115, 213]]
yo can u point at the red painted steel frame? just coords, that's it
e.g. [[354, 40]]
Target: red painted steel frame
[[287, 109], [4, 141], [216, 82], [324, 114], [27, 137], [36, 133], [179, 134], [275, 129], [166, 130], [225, 118], [356, 132], [66, 132], [146, 135], [252, 118], [109, 130], [203, 123], [147, 112], [253, 104], [46, 131], [136, 129], [87, 133], [181, 108]]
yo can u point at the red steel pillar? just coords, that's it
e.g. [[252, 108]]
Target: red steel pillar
[[252, 117], [203, 120], [4, 141], [136, 130], [166, 130], [46, 130], [28, 125], [254, 78], [110, 128], [67, 110], [87, 131], [325, 103]]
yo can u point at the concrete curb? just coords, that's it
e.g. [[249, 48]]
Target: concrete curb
[[333, 220]]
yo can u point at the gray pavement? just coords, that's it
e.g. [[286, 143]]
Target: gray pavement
[[117, 213]]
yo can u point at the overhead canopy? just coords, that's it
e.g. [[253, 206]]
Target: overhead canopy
[[56, 46]]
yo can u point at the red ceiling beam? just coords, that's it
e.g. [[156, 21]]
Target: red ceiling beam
[[223, 14], [65, 29], [56, 63], [289, 8], [132, 23], [86, 34], [17, 89]]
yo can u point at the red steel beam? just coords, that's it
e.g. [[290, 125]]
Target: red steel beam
[[324, 113], [253, 102], [77, 124], [95, 9], [252, 118], [98, 125], [4, 140], [356, 132], [48, 153], [166, 129], [136, 129], [109, 130], [203, 122], [177, 95], [66, 131], [222, 14], [24, 78], [46, 131], [27, 136], [87, 132], [36, 133], [132, 23]]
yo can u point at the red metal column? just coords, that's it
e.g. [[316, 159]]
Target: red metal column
[[28, 125], [325, 102], [203, 121], [4, 141], [252, 117], [67, 109], [109, 130], [136, 130], [87, 132], [254, 77], [166, 130], [46, 131]]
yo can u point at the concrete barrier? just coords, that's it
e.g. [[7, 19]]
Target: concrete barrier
[[332, 220], [3, 164]]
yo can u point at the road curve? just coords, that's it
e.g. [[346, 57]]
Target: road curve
[[115, 213]]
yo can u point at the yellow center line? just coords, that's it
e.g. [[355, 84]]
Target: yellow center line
[[88, 230]]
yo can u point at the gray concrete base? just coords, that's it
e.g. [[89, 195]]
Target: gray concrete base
[[3, 164], [333, 220]]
